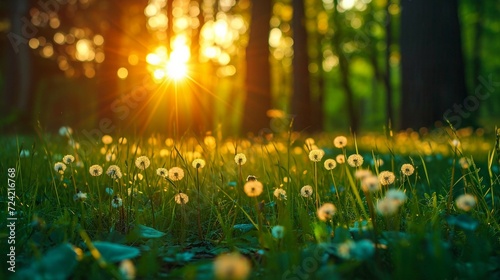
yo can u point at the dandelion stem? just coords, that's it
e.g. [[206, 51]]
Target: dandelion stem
[[200, 233], [316, 185]]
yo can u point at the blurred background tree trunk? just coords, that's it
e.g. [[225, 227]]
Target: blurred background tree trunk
[[301, 98], [18, 90], [433, 77], [258, 70]]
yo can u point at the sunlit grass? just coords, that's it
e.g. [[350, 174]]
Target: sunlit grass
[[172, 206]]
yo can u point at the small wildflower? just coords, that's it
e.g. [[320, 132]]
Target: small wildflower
[[240, 159], [181, 198], [95, 170], [60, 167], [340, 159], [162, 172], [79, 196], [280, 194], [355, 160], [340, 142], [316, 155], [387, 206], [164, 153], [326, 211], [114, 172], [110, 157], [379, 162], [253, 188], [198, 163], [116, 201], [278, 232], [231, 266], [330, 164], [176, 174], [407, 169], [386, 178], [465, 202], [122, 140], [142, 162], [106, 139], [370, 184], [396, 195], [306, 191], [68, 159]]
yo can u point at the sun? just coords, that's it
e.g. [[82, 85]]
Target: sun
[[176, 69]]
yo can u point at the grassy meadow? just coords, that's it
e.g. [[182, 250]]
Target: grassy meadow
[[389, 205]]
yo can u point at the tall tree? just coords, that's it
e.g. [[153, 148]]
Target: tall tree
[[258, 72], [433, 79], [18, 73], [301, 100]]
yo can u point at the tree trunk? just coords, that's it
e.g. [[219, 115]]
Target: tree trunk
[[258, 73], [301, 100], [433, 80], [344, 71]]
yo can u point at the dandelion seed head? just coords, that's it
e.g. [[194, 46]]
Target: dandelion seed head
[[386, 178], [306, 191], [340, 159], [466, 202], [181, 198], [142, 162], [360, 174], [95, 170], [68, 159], [116, 201], [340, 142], [253, 188], [355, 160], [387, 206], [251, 178], [198, 163], [316, 155], [370, 184], [407, 169], [280, 194], [278, 232], [176, 174], [397, 195], [114, 172], [330, 164], [326, 211], [240, 159], [79, 196], [60, 167], [162, 172]]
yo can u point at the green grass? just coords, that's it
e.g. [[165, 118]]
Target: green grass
[[428, 237]]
